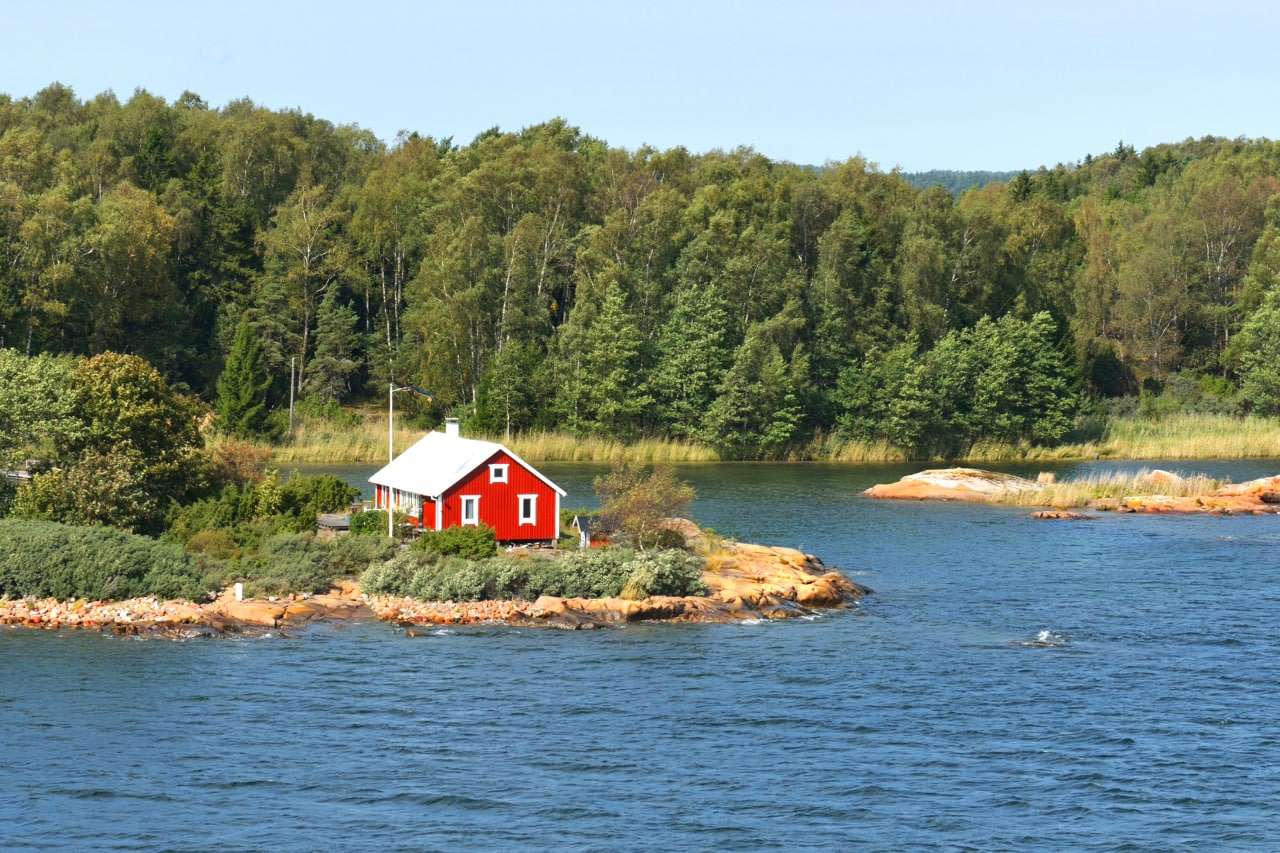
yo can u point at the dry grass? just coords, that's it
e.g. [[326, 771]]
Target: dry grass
[[1191, 436], [322, 441], [1080, 492], [1188, 436], [562, 447]]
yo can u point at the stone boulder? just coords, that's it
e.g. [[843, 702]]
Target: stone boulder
[[951, 484]]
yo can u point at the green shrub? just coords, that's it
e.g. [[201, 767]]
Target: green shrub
[[49, 560], [601, 573], [594, 573], [307, 496], [473, 543], [670, 572], [452, 579], [7, 490], [215, 543], [371, 522], [285, 563], [391, 577], [351, 555]]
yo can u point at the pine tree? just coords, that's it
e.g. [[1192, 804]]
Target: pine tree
[[337, 342], [242, 387]]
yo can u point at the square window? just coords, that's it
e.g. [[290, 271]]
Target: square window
[[498, 473]]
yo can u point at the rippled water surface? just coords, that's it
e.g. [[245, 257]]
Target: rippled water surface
[[1013, 685]]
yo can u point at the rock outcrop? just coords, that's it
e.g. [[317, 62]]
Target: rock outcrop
[[1256, 497], [156, 617], [951, 484]]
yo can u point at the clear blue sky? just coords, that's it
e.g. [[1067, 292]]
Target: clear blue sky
[[910, 83]]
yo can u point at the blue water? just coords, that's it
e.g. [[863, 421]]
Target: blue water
[[1013, 685]]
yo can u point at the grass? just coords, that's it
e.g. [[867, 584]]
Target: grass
[[1192, 436], [563, 447], [1176, 436], [1080, 492]]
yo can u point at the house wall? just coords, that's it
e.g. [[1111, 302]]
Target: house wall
[[403, 502], [500, 502]]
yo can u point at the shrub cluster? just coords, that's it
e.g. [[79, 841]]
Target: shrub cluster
[[602, 573], [49, 560], [472, 543], [298, 562], [252, 512]]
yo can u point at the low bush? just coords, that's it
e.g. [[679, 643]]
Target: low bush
[[671, 572], [298, 563], [49, 560], [473, 543], [351, 555], [601, 573], [285, 563], [371, 522]]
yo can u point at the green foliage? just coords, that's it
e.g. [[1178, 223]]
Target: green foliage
[[1004, 380], [132, 451], [304, 497], [36, 406], [1260, 359], [596, 573], [543, 279], [242, 386], [250, 513], [48, 560], [352, 555], [287, 563], [96, 489], [637, 505], [472, 543], [371, 522], [667, 572]]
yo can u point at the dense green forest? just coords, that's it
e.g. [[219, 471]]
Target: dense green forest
[[956, 182], [543, 279]]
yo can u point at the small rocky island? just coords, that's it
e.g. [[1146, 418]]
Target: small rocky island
[[744, 582], [1171, 493]]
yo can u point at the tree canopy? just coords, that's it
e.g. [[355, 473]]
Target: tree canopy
[[542, 279]]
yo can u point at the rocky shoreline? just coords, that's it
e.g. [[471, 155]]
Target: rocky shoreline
[[745, 582], [1256, 497]]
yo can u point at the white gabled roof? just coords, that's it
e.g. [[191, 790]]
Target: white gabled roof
[[437, 461]]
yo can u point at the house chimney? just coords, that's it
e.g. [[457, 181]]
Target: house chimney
[[451, 427]]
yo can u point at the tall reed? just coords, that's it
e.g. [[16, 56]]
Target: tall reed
[[1080, 492], [363, 438]]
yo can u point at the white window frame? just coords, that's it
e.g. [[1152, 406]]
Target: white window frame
[[532, 516], [472, 501], [498, 473]]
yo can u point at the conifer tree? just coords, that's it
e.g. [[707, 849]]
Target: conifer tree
[[242, 387]]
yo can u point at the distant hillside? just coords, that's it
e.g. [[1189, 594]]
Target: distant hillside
[[953, 181]]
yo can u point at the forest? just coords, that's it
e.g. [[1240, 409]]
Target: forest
[[543, 280]]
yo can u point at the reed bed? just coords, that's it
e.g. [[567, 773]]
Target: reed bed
[[563, 447], [363, 438], [1079, 492], [1191, 436]]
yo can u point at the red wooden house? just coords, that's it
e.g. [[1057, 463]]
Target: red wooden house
[[446, 481]]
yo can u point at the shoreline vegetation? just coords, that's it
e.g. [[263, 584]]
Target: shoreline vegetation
[[742, 582], [363, 439]]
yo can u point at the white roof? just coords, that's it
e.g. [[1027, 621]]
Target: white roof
[[437, 461]]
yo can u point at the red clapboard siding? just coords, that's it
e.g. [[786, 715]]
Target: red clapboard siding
[[500, 502]]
